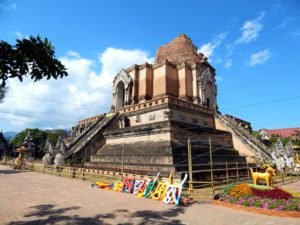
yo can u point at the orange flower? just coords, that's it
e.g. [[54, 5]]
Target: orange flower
[[240, 190]]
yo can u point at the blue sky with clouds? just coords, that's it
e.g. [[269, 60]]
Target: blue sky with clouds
[[254, 46]]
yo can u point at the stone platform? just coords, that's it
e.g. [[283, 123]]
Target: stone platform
[[162, 147]]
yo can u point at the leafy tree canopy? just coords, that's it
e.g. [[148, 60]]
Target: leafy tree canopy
[[33, 56], [53, 135], [39, 138], [256, 134]]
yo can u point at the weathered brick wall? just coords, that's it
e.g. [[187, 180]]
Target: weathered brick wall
[[181, 49], [163, 147]]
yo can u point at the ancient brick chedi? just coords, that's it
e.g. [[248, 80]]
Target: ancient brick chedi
[[155, 109], [178, 71]]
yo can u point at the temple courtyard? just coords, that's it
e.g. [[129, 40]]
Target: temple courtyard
[[36, 198]]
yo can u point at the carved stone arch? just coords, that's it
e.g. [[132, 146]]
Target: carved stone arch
[[124, 77], [120, 95], [207, 89], [207, 75], [122, 88]]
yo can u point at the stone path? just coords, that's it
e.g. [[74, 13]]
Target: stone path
[[33, 198], [295, 186]]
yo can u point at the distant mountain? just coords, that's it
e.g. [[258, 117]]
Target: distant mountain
[[9, 134]]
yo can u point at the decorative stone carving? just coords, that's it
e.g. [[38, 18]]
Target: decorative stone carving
[[54, 154], [124, 77], [207, 89], [138, 119], [59, 159], [283, 156], [49, 156], [152, 116], [122, 88]]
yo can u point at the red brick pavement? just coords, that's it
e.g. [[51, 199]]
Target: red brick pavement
[[33, 198]]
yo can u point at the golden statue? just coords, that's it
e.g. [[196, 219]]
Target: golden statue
[[19, 161], [267, 176]]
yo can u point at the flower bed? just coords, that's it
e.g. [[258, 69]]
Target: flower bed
[[260, 199]]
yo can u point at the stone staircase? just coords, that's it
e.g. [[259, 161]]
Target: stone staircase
[[83, 140], [261, 151]]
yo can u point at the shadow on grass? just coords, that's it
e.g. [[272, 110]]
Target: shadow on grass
[[50, 215]]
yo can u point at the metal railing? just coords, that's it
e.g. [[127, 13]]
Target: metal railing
[[233, 174], [80, 173]]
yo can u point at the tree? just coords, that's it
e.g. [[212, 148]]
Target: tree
[[296, 141], [53, 135], [33, 56], [39, 138], [256, 134]]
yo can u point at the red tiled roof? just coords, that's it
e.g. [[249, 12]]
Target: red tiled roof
[[286, 132]]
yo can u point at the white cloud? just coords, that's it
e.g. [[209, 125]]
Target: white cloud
[[73, 54], [295, 34], [115, 59], [19, 35], [218, 60], [61, 103], [284, 23], [228, 64], [208, 48], [250, 30], [281, 25], [8, 5], [259, 57], [218, 78], [229, 48]]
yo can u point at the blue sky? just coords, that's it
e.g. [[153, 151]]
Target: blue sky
[[254, 46]]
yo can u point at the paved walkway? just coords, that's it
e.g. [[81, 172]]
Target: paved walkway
[[33, 198], [295, 186]]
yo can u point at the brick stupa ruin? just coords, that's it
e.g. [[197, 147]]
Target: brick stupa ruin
[[155, 109]]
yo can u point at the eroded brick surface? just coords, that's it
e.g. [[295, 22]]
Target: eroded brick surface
[[179, 50]]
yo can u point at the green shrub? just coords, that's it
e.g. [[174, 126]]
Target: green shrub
[[292, 206], [272, 206], [246, 203], [260, 187], [257, 204], [228, 188]]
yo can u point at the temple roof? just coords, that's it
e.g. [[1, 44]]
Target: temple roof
[[285, 132], [179, 50]]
